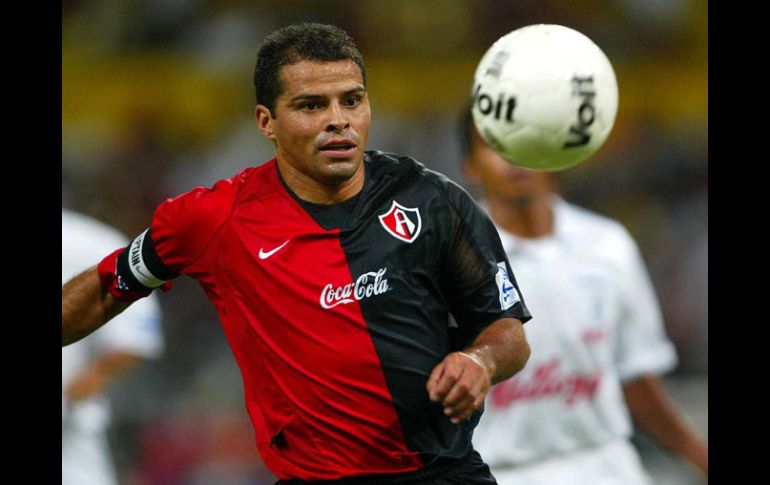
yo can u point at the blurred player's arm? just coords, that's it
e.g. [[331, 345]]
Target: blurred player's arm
[[462, 380], [654, 413], [102, 371], [86, 306]]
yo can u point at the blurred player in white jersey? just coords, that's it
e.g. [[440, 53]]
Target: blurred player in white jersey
[[597, 339], [90, 365]]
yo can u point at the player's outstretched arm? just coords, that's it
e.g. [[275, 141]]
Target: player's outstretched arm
[[462, 380], [653, 411], [86, 306]]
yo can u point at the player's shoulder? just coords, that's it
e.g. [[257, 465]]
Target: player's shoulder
[[214, 202], [184, 226], [400, 167], [218, 194], [598, 233], [577, 216], [382, 164]]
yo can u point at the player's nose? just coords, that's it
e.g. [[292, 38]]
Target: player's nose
[[338, 120]]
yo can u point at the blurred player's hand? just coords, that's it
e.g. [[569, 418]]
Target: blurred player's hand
[[85, 385], [102, 371], [460, 383]]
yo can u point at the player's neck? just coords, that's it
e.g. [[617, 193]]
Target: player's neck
[[315, 192], [528, 217]]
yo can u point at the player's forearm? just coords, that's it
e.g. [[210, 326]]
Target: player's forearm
[[656, 415], [86, 306], [502, 347]]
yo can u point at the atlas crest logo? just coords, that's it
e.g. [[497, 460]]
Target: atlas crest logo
[[401, 222]]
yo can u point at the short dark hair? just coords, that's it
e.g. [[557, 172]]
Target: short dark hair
[[299, 42]]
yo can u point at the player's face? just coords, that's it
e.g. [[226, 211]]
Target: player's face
[[499, 178], [321, 120]]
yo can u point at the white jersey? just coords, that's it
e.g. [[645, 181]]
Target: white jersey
[[596, 323], [85, 453]]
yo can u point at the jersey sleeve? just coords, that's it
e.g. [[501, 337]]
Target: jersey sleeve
[[643, 346], [477, 278], [183, 227]]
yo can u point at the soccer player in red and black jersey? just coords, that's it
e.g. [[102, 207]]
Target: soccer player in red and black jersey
[[368, 300]]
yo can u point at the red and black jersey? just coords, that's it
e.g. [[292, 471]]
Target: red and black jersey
[[336, 329]]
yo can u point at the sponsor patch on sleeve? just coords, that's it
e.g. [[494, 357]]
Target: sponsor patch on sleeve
[[508, 294]]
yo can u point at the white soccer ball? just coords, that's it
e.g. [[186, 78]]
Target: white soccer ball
[[544, 97]]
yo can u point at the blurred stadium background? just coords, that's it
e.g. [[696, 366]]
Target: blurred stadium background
[[157, 98]]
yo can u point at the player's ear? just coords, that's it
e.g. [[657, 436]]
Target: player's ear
[[264, 121], [469, 170]]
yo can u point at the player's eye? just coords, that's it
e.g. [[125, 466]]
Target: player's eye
[[310, 106], [352, 101]]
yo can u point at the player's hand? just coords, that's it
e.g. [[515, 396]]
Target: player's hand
[[95, 378], [460, 383], [85, 385]]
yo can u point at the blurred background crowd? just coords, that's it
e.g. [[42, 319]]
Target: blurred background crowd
[[157, 98]]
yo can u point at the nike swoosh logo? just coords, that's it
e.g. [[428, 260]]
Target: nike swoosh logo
[[265, 255]]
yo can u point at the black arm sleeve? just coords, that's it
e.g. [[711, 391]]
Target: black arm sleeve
[[479, 283]]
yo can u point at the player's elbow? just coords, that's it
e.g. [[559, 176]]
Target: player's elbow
[[522, 356]]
